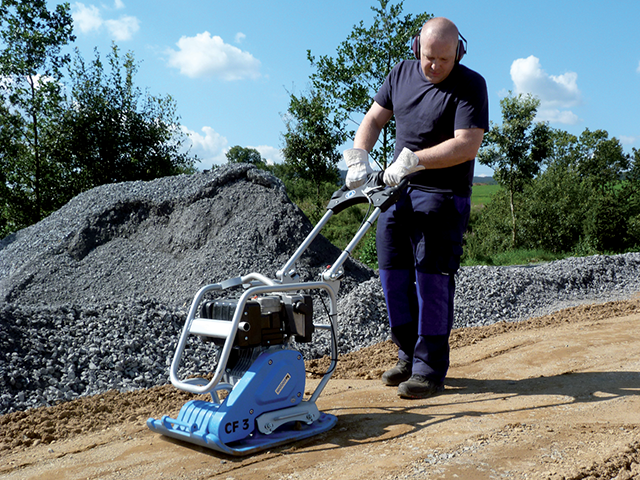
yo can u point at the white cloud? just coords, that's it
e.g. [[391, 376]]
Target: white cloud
[[628, 140], [123, 28], [270, 154], [529, 77], [240, 37], [557, 116], [638, 69], [87, 19], [210, 147], [208, 56], [555, 92]]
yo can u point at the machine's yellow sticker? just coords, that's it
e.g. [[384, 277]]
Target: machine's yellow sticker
[[284, 381]]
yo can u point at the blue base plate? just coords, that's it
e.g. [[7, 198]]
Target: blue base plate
[[256, 442]]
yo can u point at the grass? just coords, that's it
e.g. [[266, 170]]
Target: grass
[[481, 195], [516, 257]]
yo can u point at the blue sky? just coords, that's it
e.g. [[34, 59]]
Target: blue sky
[[230, 65]]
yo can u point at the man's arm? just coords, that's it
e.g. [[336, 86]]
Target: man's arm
[[461, 148], [371, 126]]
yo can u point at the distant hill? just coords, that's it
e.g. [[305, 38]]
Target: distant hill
[[484, 181]]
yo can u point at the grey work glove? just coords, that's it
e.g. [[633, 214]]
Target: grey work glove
[[357, 160], [405, 164]]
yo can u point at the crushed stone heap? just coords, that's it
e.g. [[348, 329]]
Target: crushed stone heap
[[162, 240]]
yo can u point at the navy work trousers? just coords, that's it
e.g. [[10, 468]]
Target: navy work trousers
[[419, 243]]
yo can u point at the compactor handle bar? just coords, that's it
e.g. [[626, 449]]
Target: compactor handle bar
[[374, 192]]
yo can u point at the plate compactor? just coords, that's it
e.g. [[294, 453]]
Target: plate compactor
[[258, 367]]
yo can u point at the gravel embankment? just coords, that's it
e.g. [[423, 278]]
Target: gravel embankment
[[94, 296]]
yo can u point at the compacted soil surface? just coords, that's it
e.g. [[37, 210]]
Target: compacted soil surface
[[555, 397]]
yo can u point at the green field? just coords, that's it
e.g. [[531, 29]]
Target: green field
[[481, 194]]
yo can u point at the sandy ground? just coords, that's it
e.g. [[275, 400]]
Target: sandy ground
[[556, 397]]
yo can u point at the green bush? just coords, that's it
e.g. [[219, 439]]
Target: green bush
[[367, 252], [553, 211], [605, 224], [489, 230], [560, 212]]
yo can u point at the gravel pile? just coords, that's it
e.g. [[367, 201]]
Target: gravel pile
[[94, 296], [161, 240]]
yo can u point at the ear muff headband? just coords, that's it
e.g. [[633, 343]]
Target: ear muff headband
[[460, 52]]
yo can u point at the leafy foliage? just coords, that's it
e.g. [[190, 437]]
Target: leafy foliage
[[516, 149], [238, 154], [600, 160], [552, 213], [112, 132], [15, 207], [585, 201], [59, 139], [31, 65], [311, 140], [349, 80]]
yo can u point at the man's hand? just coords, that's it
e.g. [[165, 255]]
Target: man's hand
[[405, 164], [357, 160]]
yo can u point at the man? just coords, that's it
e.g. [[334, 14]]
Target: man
[[441, 112]]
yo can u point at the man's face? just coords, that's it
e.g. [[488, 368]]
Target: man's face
[[437, 58]]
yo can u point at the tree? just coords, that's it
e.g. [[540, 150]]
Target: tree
[[632, 193], [602, 166], [31, 66], [517, 149], [311, 140], [634, 169], [553, 210], [585, 201], [601, 159], [349, 81], [112, 132], [59, 139], [563, 149], [239, 154], [14, 207]]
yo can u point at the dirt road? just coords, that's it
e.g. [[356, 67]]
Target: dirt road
[[552, 398]]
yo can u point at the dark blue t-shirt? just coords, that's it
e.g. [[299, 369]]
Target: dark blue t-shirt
[[427, 114]]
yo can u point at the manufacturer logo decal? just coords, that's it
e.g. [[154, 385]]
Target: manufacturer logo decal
[[283, 383]]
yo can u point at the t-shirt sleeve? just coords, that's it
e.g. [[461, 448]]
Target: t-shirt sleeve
[[384, 97], [473, 106]]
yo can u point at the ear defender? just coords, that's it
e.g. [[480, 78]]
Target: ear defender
[[460, 52]]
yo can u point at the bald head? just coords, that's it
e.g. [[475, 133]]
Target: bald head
[[440, 29], [438, 48]]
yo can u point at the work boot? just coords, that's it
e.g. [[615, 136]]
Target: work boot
[[419, 386], [398, 374]]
